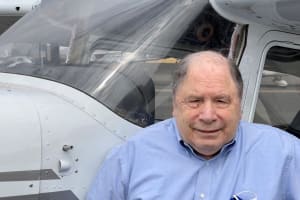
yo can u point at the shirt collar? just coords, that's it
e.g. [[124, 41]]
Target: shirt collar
[[226, 148]]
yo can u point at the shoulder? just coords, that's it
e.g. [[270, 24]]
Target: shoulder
[[146, 147], [160, 134], [267, 138], [156, 132], [263, 130]]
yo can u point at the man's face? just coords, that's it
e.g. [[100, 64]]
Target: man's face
[[207, 107]]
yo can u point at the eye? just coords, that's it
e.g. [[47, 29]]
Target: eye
[[223, 101], [193, 102]]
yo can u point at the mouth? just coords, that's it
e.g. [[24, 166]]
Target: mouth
[[204, 131]]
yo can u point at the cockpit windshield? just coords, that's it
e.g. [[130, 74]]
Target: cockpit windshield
[[120, 52]]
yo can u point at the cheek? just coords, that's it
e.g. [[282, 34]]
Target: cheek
[[175, 111], [231, 119], [235, 114], [179, 111], [226, 115], [183, 117], [232, 113], [187, 116]]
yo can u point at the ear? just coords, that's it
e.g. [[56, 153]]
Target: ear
[[240, 113], [175, 107]]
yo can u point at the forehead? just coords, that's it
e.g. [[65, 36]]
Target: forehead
[[209, 73], [210, 62], [208, 69]]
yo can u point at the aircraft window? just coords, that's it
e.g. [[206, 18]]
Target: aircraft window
[[279, 96], [122, 53]]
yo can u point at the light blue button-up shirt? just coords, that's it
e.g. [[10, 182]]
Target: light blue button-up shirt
[[261, 163]]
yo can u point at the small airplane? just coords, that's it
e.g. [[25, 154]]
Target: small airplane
[[80, 77]]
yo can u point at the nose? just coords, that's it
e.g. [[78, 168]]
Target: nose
[[207, 113]]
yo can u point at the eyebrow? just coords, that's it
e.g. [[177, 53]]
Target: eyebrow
[[223, 96]]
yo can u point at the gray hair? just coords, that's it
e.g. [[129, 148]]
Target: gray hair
[[181, 72]]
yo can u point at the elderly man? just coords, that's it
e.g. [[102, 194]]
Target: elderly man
[[205, 151]]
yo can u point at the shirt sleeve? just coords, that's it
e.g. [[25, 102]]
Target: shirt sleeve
[[109, 184], [293, 186]]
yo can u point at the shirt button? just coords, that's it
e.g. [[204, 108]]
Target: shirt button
[[202, 196]]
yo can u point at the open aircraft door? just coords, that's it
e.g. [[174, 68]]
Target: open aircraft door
[[270, 62], [274, 81]]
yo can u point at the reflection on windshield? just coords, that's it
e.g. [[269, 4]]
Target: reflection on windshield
[[122, 53]]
